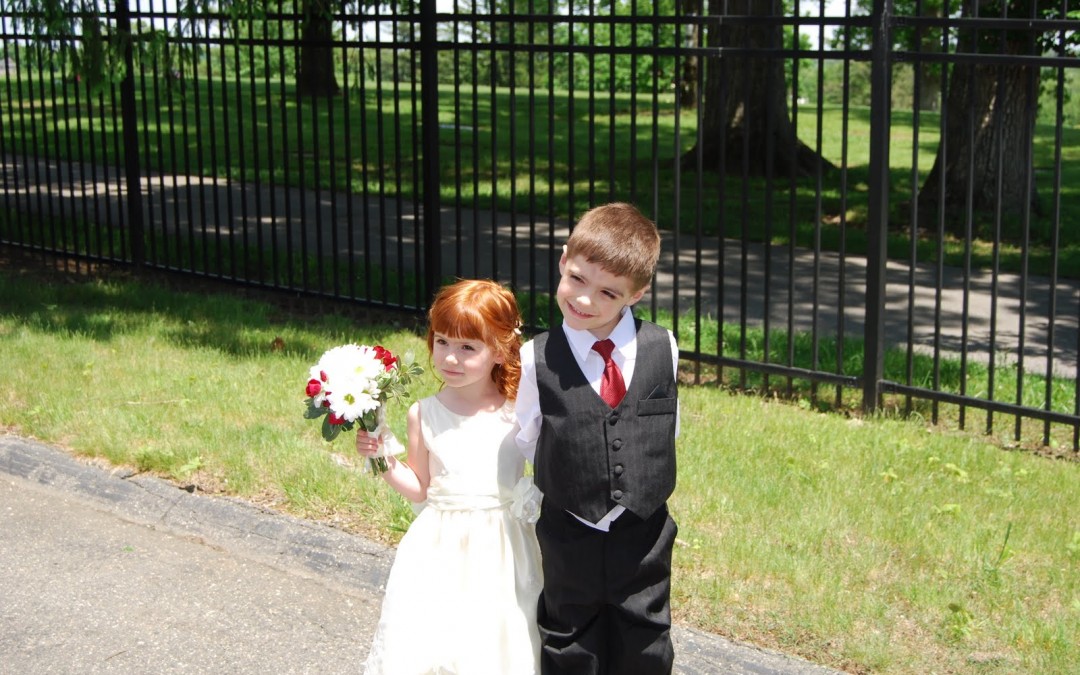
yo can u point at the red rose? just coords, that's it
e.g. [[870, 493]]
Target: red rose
[[336, 419], [384, 355], [322, 376], [313, 387]]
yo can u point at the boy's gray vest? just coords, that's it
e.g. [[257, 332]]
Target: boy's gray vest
[[590, 457]]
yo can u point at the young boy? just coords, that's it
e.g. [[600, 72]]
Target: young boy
[[600, 431]]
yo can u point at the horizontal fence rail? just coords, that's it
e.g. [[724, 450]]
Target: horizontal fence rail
[[865, 208]]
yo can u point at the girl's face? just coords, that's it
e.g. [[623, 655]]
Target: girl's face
[[463, 362]]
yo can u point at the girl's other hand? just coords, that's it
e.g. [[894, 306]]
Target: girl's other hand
[[367, 444]]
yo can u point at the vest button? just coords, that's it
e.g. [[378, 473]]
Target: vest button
[[616, 495], [618, 469], [613, 418], [616, 444]]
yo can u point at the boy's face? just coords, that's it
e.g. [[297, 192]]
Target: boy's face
[[590, 297]]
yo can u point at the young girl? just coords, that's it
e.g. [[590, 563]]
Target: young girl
[[462, 594]]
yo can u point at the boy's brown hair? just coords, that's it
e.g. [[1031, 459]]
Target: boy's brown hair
[[618, 238]]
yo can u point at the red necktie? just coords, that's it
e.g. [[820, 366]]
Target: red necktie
[[612, 387]]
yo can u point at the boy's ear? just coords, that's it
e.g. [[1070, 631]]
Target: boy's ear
[[636, 296], [562, 260]]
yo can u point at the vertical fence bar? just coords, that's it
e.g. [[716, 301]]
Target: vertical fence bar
[[511, 33], [475, 72], [350, 215], [551, 266], [458, 231], [429, 124], [399, 165], [131, 139], [913, 230], [417, 299], [147, 134], [163, 257], [841, 253], [877, 221], [531, 40]]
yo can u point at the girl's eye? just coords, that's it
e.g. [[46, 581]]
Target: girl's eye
[[468, 348], [441, 342]]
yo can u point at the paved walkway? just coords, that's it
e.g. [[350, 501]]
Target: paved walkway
[[113, 573], [825, 293]]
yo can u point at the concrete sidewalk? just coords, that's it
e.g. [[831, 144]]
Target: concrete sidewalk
[[111, 572]]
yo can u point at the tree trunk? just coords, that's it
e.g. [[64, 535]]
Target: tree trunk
[[315, 74], [745, 120], [989, 122], [930, 90], [686, 82]]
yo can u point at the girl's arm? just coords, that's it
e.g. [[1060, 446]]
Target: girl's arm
[[409, 479]]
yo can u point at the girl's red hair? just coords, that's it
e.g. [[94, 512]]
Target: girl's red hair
[[480, 309]]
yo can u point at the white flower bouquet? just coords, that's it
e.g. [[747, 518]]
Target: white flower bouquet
[[351, 384]]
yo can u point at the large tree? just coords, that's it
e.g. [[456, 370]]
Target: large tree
[[745, 117], [988, 122]]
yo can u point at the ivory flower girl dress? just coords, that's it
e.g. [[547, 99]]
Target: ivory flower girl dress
[[462, 593]]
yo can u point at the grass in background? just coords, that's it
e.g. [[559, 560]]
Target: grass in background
[[623, 149], [874, 545]]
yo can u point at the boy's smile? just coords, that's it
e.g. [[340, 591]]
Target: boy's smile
[[591, 298]]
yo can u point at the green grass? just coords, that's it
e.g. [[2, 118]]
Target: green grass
[[874, 545], [363, 142]]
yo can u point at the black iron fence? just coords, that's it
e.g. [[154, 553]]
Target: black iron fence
[[874, 202]]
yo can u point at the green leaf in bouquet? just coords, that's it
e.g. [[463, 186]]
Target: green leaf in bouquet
[[314, 412], [330, 431], [367, 421]]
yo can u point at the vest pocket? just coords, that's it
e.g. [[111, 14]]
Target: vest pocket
[[657, 406]]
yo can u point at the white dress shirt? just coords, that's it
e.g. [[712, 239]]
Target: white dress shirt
[[592, 366]]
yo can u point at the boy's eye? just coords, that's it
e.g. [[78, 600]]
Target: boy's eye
[[609, 295]]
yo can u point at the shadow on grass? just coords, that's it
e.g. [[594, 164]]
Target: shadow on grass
[[189, 313]]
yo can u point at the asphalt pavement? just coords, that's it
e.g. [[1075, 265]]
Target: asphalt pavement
[[105, 571]]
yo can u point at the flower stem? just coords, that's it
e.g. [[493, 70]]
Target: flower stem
[[378, 465]]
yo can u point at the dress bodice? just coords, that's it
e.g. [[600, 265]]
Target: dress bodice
[[473, 460]]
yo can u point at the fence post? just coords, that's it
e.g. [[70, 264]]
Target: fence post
[[429, 125], [129, 120], [877, 221]]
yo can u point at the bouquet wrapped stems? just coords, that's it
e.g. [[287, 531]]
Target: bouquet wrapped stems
[[388, 443]]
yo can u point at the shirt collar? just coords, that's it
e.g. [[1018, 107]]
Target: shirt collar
[[581, 341]]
